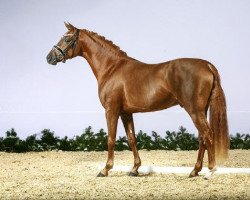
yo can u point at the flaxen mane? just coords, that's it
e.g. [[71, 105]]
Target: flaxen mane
[[109, 45]]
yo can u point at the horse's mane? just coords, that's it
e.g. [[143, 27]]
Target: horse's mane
[[106, 43]]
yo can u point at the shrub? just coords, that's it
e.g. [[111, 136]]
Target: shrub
[[11, 141], [143, 141], [48, 140], [122, 144], [240, 141], [90, 141], [102, 141], [1, 144]]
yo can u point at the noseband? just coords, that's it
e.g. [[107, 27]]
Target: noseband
[[72, 43]]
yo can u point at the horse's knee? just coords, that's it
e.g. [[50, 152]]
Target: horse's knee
[[111, 142]]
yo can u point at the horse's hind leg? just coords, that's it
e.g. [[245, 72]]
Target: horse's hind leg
[[199, 163], [201, 152], [201, 123], [128, 123]]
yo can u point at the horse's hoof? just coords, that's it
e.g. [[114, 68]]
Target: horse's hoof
[[193, 174], [100, 175], [210, 173], [133, 174]]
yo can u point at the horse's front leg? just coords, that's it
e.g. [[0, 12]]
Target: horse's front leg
[[112, 116], [128, 123]]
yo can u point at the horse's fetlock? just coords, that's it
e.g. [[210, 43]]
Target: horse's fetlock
[[109, 166], [198, 166], [138, 163]]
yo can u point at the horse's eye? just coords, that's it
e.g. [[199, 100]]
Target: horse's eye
[[67, 40]]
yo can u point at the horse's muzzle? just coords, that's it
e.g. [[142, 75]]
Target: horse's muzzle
[[51, 59]]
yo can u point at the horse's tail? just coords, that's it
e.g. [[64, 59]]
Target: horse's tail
[[218, 119]]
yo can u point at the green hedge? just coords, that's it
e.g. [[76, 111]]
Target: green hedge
[[90, 141]]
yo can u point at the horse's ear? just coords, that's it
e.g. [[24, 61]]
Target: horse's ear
[[69, 26]]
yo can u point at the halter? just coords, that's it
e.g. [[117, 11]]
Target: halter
[[72, 43]]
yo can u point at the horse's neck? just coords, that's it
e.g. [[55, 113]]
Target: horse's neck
[[98, 58]]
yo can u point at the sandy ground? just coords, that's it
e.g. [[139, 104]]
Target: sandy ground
[[72, 175]]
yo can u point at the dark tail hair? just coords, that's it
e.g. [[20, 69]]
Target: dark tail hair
[[218, 119]]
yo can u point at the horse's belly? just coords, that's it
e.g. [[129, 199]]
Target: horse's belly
[[149, 103]]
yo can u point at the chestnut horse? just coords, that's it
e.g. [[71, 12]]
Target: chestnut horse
[[127, 86]]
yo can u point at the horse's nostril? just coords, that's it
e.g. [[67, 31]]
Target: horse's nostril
[[49, 57]]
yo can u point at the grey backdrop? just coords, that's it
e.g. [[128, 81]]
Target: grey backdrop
[[35, 95]]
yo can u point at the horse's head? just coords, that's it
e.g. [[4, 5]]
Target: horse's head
[[66, 48]]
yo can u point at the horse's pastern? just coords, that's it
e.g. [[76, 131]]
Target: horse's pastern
[[101, 175], [133, 174]]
